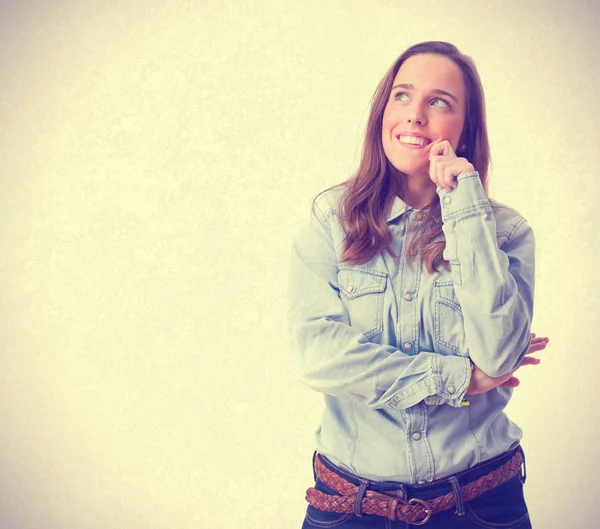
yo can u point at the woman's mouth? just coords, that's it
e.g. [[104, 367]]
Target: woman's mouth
[[409, 139]]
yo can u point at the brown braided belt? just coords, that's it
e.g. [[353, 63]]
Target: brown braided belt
[[415, 511]]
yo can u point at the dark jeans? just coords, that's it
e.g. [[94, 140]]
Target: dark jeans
[[500, 508]]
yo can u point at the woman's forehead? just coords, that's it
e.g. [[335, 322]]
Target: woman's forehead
[[429, 72]]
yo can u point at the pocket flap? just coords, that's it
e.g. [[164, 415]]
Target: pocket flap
[[444, 293], [355, 281]]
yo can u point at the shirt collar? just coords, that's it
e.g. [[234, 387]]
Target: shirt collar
[[398, 207]]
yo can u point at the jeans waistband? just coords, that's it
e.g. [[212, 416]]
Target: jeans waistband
[[431, 489]]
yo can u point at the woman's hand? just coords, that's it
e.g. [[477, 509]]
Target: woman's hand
[[445, 166], [481, 383]]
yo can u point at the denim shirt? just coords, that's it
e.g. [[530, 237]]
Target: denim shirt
[[390, 345]]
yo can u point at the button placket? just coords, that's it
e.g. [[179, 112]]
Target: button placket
[[417, 436], [408, 286]]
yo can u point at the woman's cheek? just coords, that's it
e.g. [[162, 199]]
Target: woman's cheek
[[452, 131]]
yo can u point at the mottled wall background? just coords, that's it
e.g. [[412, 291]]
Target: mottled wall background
[[156, 159]]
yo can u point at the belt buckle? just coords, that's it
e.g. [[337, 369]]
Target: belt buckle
[[427, 508]]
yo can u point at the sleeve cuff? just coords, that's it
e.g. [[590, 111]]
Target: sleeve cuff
[[466, 200], [452, 381]]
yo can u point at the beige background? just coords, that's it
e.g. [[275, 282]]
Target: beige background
[[156, 159]]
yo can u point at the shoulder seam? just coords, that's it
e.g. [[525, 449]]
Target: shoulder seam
[[515, 228], [322, 216]]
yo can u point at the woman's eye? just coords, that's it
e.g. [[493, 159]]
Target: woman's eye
[[440, 103], [401, 96]]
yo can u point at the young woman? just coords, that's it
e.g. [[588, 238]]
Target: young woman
[[412, 299]]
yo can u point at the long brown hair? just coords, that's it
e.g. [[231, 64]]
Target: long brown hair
[[369, 194]]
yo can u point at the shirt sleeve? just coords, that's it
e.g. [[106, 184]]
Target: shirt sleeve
[[494, 285], [337, 359]]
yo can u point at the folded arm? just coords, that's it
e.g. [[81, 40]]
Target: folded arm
[[339, 360], [494, 284]]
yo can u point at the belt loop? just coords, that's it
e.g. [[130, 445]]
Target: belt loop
[[523, 467], [460, 508], [402, 494], [360, 494]]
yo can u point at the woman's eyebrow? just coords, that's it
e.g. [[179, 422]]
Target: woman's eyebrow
[[408, 86], [444, 93]]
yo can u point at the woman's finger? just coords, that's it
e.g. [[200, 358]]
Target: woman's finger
[[529, 361], [436, 171], [535, 338], [512, 382], [537, 344], [540, 340], [536, 348], [441, 148], [450, 173], [439, 168]]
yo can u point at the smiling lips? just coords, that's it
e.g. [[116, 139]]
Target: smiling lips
[[418, 141]]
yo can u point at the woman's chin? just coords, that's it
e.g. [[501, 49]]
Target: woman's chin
[[413, 172]]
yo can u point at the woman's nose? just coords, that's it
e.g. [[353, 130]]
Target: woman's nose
[[417, 117]]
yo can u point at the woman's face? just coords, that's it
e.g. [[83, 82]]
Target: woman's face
[[427, 102]]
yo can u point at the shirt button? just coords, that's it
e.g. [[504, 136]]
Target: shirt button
[[413, 251], [416, 436], [421, 482], [419, 215], [447, 199], [407, 345], [451, 390], [350, 288], [408, 296]]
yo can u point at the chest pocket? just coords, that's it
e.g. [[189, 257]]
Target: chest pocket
[[363, 290], [449, 323]]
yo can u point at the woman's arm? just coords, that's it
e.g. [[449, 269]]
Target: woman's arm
[[482, 383], [336, 358], [493, 284]]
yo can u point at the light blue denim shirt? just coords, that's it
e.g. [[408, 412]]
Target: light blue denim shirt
[[389, 345]]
